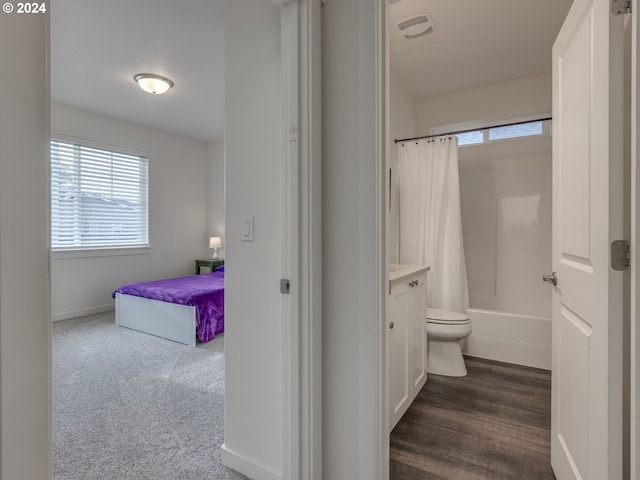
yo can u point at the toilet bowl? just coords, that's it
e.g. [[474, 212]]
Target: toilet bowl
[[445, 329]]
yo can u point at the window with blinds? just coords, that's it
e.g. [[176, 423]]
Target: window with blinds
[[99, 198]]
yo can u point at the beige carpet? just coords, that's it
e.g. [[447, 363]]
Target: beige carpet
[[127, 405]]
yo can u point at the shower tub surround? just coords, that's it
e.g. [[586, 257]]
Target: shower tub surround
[[506, 221], [509, 337]]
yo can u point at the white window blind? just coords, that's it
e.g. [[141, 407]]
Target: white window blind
[[99, 198]]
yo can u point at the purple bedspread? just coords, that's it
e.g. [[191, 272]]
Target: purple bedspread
[[205, 292]]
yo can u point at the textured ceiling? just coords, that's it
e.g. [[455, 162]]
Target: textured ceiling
[[98, 46], [476, 42]]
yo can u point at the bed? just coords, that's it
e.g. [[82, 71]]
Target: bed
[[178, 309]]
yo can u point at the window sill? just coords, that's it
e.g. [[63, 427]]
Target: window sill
[[99, 252]]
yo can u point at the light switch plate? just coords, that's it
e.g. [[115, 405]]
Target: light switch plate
[[247, 229]]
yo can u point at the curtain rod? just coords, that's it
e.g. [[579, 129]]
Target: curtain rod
[[472, 130]]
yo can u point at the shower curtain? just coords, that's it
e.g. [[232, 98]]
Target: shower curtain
[[431, 220]]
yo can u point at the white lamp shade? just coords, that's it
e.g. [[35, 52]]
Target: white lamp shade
[[215, 242], [154, 84]]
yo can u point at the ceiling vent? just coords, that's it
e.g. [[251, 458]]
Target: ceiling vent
[[416, 26]]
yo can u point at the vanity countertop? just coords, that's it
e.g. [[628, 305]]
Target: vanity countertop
[[398, 272]]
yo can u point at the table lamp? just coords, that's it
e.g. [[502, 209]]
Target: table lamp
[[215, 243]]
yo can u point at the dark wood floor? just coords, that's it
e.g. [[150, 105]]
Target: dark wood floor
[[492, 424]]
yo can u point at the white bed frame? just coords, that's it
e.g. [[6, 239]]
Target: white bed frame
[[167, 320]]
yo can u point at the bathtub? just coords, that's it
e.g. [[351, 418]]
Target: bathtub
[[509, 337]]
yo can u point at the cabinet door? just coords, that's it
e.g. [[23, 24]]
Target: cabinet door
[[417, 334], [398, 352]]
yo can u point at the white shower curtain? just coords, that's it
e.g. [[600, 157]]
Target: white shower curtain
[[431, 219]]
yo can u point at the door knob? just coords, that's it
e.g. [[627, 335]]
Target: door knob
[[391, 325], [552, 279]]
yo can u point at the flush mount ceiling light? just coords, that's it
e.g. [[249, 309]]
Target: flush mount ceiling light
[[416, 26], [152, 83]]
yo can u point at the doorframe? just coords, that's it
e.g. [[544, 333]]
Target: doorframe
[[25, 375], [302, 245], [382, 69], [382, 145], [290, 246], [302, 345], [309, 397], [310, 232], [635, 236]]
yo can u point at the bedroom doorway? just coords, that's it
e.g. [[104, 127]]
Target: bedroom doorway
[[181, 134], [181, 210]]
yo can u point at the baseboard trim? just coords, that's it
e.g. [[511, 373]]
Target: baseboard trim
[[56, 317], [519, 353], [246, 467]]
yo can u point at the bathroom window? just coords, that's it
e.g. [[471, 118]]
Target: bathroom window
[[528, 129], [514, 130], [470, 138]]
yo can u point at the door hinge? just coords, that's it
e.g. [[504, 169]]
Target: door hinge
[[620, 255], [285, 286], [620, 7]]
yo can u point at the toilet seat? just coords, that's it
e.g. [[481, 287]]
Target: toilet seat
[[446, 317]]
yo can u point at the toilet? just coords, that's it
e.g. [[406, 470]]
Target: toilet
[[445, 329]]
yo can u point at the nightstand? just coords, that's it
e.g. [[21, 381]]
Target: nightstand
[[210, 264]]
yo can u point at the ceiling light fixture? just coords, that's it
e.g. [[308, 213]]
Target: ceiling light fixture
[[152, 83]]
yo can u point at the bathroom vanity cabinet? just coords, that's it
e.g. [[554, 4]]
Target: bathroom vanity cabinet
[[406, 337]]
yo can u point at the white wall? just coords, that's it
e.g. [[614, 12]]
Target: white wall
[[402, 110], [402, 124], [499, 100], [177, 214], [25, 330], [215, 192], [253, 302], [350, 336]]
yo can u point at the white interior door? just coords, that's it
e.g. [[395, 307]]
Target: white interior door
[[586, 424]]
